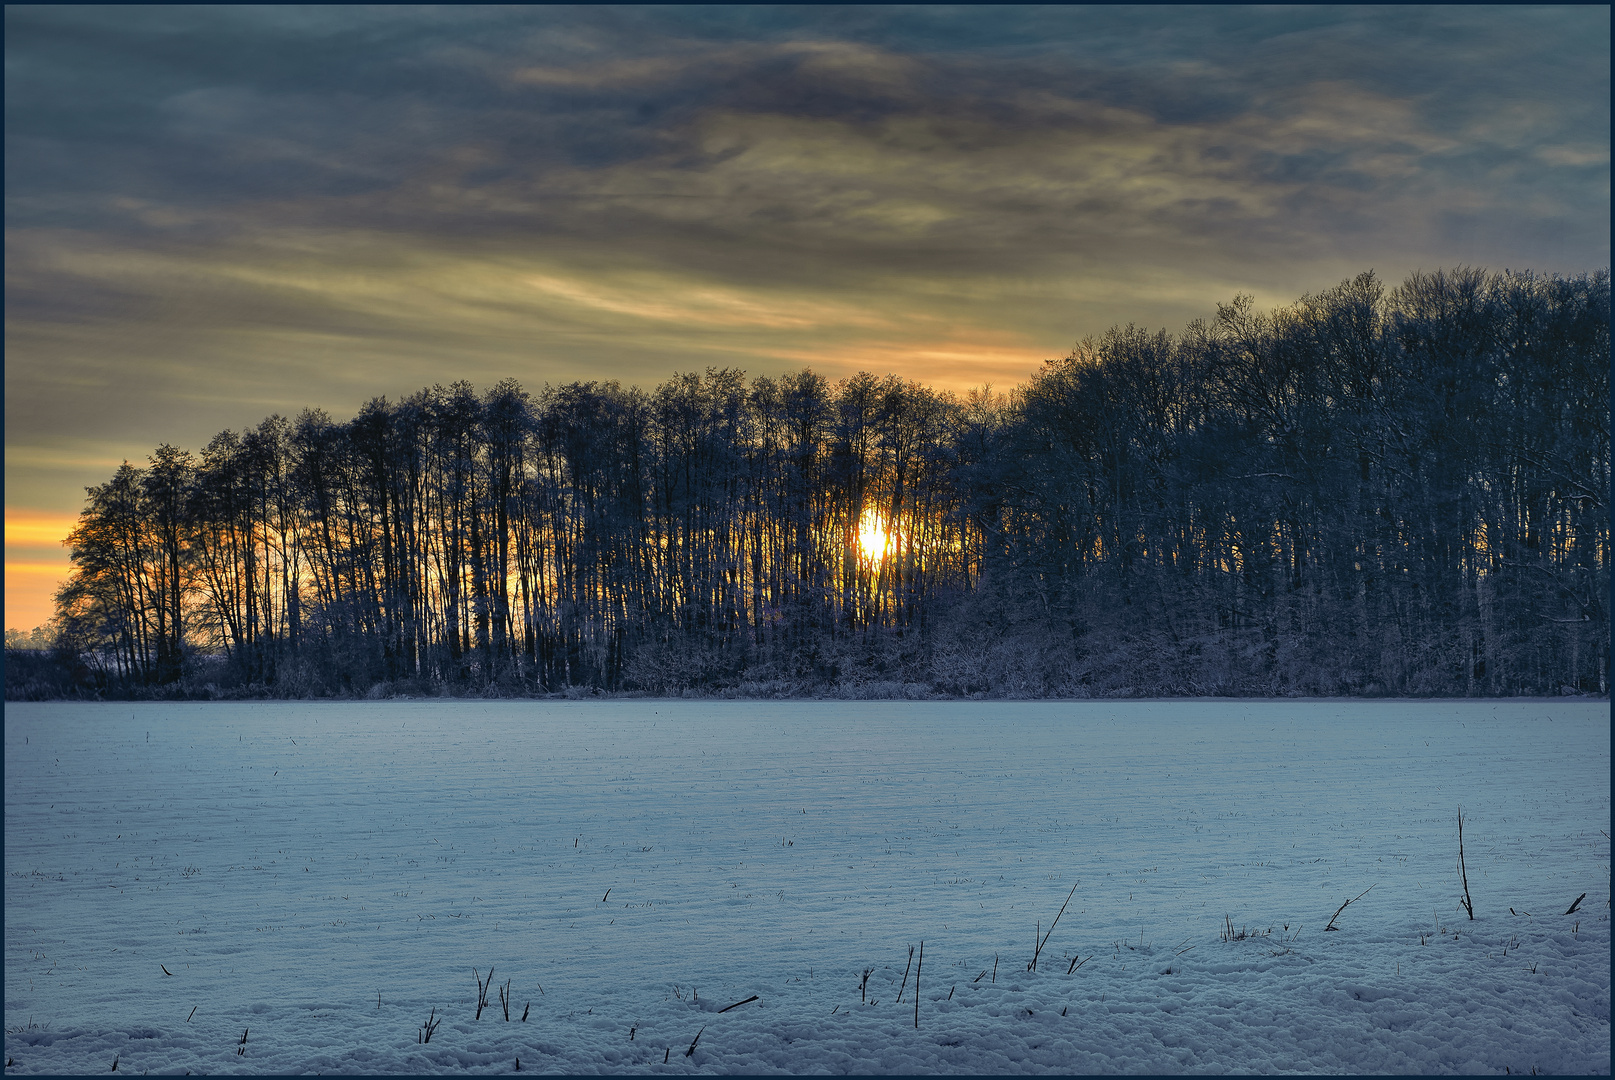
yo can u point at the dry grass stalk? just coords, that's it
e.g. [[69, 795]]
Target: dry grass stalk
[[1347, 904], [1037, 951], [917, 986], [482, 990], [1469, 905]]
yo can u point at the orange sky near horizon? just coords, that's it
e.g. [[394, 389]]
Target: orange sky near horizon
[[36, 564]]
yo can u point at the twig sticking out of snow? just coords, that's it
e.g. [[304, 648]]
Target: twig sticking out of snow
[[691, 1051], [917, 987], [862, 986], [1468, 904], [738, 1004], [1035, 952], [1228, 933], [504, 997], [482, 990], [1347, 904], [905, 972], [1576, 904], [425, 1033]]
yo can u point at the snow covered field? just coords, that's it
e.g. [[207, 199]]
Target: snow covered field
[[322, 878]]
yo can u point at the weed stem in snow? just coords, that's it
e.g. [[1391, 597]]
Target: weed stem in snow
[[1348, 903], [1469, 905], [482, 990], [1039, 949], [917, 968]]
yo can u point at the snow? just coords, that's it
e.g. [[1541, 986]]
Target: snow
[[323, 877]]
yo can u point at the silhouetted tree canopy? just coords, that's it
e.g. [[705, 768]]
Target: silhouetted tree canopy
[[1366, 492]]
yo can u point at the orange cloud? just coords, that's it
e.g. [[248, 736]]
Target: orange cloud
[[26, 527], [36, 563], [958, 364]]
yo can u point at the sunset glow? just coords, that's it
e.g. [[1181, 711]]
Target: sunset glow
[[874, 542], [36, 563], [203, 230]]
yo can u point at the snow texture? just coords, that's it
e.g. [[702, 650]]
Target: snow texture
[[320, 879]]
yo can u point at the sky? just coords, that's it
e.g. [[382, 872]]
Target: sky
[[215, 214]]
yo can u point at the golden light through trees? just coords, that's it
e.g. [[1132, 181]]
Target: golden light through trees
[[948, 195], [874, 542], [1367, 492]]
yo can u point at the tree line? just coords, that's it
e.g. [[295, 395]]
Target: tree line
[[1369, 491]]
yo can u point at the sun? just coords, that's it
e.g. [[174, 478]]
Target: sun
[[873, 540]]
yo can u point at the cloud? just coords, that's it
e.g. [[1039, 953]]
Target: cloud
[[36, 562], [26, 527], [615, 75], [214, 213]]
